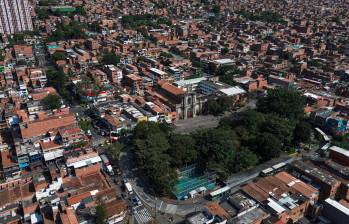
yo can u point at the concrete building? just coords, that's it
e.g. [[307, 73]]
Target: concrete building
[[335, 211], [15, 16]]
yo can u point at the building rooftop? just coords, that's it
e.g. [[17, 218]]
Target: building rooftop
[[200, 218], [251, 216], [315, 172], [340, 150], [41, 127], [338, 206], [232, 91]]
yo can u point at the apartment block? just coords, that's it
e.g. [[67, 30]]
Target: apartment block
[[15, 16]]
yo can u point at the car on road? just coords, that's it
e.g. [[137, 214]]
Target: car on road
[[136, 201]]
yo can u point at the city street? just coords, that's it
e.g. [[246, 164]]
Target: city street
[[180, 208], [41, 55]]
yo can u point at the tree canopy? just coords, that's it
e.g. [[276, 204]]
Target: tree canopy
[[227, 73], [59, 55], [85, 125], [73, 30], [101, 214], [264, 16], [115, 149], [238, 143], [286, 103], [218, 106], [52, 101], [302, 132], [110, 58], [57, 79], [147, 20]]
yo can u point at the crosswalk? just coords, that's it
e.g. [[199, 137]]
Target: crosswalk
[[142, 215]]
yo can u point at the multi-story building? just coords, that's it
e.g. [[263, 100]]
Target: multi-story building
[[15, 16]]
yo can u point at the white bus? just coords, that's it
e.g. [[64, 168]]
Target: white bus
[[279, 166], [267, 172], [217, 194]]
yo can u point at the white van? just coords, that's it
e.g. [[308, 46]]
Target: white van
[[128, 187]]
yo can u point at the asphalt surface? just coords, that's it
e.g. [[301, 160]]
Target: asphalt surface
[[146, 195], [199, 122], [41, 55], [96, 138]]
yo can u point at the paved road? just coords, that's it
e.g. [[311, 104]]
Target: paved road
[[192, 124], [144, 192], [249, 175], [140, 188], [41, 55], [96, 138], [142, 215]]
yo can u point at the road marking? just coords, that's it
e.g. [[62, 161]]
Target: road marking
[[142, 215], [171, 209], [160, 205]]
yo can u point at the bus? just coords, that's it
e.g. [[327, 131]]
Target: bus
[[278, 167], [218, 194], [267, 172]]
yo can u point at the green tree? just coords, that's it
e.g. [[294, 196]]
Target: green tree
[[182, 150], [267, 146], [218, 106], [57, 79], [42, 13], [251, 120], [213, 107], [52, 101], [217, 149], [224, 51], [151, 144], [94, 26], [59, 55], [216, 9], [73, 30], [80, 11], [114, 150], [302, 132], [281, 128], [85, 125], [244, 159], [166, 55], [101, 213], [286, 103], [110, 58], [227, 73]]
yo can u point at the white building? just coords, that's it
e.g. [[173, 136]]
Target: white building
[[15, 16]]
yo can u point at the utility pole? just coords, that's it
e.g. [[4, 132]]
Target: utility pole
[[155, 207]]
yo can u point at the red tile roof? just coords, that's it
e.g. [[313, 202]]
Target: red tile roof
[[78, 198], [172, 89], [41, 127]]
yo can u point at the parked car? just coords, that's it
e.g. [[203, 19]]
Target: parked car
[[136, 201]]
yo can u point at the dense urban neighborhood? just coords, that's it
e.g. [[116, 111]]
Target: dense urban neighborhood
[[173, 111]]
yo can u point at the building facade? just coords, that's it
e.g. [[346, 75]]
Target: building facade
[[15, 16]]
